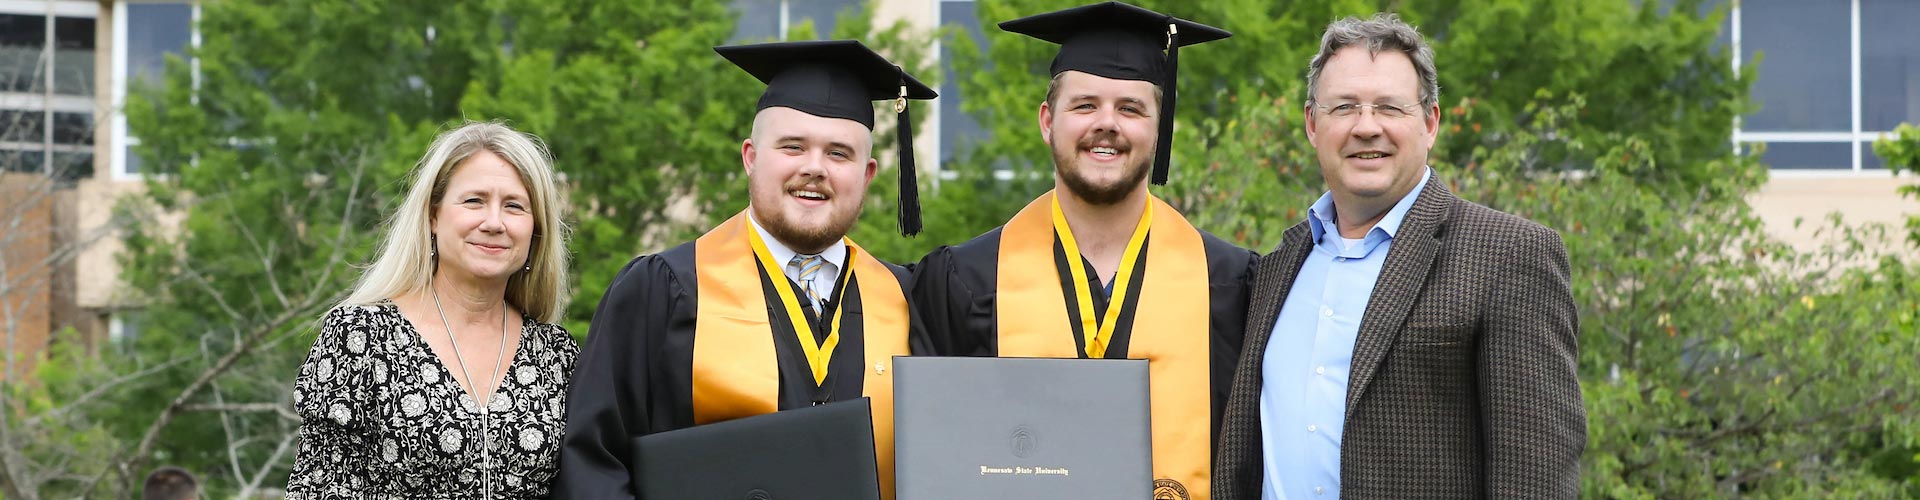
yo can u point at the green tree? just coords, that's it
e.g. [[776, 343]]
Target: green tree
[[1902, 154]]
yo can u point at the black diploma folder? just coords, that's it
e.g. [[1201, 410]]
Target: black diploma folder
[[818, 453], [1022, 428]]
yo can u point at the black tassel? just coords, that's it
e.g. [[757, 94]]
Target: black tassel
[[1163, 151], [909, 175]]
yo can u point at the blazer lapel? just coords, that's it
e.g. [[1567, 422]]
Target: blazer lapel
[[1237, 471], [1272, 280], [1402, 278]]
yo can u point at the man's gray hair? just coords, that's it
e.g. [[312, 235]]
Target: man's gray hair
[[1382, 32]]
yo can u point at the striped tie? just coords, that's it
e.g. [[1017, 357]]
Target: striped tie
[[809, 265]]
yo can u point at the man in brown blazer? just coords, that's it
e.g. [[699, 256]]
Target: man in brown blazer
[[1401, 342]]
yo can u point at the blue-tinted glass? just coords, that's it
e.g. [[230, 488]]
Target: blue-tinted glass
[[958, 130], [133, 161], [1809, 155], [1868, 160], [822, 12], [1889, 63], [759, 21], [153, 31], [1725, 38], [1804, 80]]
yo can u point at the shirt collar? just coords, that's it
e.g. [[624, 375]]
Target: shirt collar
[[1320, 215], [835, 254]]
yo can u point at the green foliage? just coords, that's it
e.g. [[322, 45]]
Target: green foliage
[[1902, 154], [60, 432]]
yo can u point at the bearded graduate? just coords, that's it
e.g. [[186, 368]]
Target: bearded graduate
[[776, 308], [1099, 267]]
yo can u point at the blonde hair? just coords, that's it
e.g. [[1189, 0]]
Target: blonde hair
[[404, 264]]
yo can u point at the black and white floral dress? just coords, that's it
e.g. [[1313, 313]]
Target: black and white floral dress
[[384, 418]]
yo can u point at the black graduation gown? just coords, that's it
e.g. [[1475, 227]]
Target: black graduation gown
[[634, 375], [954, 289]]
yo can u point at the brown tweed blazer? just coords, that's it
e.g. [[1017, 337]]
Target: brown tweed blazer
[[1463, 382]]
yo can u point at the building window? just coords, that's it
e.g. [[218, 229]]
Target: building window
[[762, 20], [46, 87], [148, 32], [957, 129], [1837, 75], [1889, 63], [123, 327]]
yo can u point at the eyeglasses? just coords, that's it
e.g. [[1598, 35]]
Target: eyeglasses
[[1384, 111]]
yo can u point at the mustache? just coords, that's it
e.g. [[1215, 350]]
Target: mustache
[[1358, 147], [1112, 138], [816, 185]]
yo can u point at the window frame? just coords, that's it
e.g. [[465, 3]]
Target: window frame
[[48, 101], [123, 139], [1855, 137]]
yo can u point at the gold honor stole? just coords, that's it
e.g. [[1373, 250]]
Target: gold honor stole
[[1171, 331], [735, 371]]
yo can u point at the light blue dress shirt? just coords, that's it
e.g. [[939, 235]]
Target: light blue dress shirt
[[1303, 390]]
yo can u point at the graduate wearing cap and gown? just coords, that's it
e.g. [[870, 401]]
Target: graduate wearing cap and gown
[[774, 309], [1099, 267]]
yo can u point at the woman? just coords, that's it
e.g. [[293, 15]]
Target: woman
[[458, 308]]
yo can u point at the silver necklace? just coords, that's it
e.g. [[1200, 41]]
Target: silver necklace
[[486, 453]]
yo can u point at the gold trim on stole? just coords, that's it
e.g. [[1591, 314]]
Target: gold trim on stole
[[1170, 327], [735, 371], [884, 325]]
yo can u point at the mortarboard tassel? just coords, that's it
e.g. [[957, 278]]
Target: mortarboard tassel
[[909, 183], [1163, 151]]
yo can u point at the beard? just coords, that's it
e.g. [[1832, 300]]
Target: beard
[[800, 235], [1066, 162]]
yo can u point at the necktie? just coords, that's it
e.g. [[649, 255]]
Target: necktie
[[809, 266]]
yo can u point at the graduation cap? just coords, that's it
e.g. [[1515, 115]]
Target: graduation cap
[[839, 79], [1122, 42]]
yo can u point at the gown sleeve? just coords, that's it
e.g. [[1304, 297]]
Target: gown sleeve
[[957, 317], [608, 398]]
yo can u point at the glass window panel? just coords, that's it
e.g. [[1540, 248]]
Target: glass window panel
[[1868, 160], [72, 128], [1804, 80], [21, 39], [23, 30], [124, 329], [1889, 63], [73, 56], [15, 160], [822, 12], [1809, 155], [133, 161], [73, 33], [153, 31], [18, 125], [759, 20], [72, 166], [958, 130], [1721, 42]]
